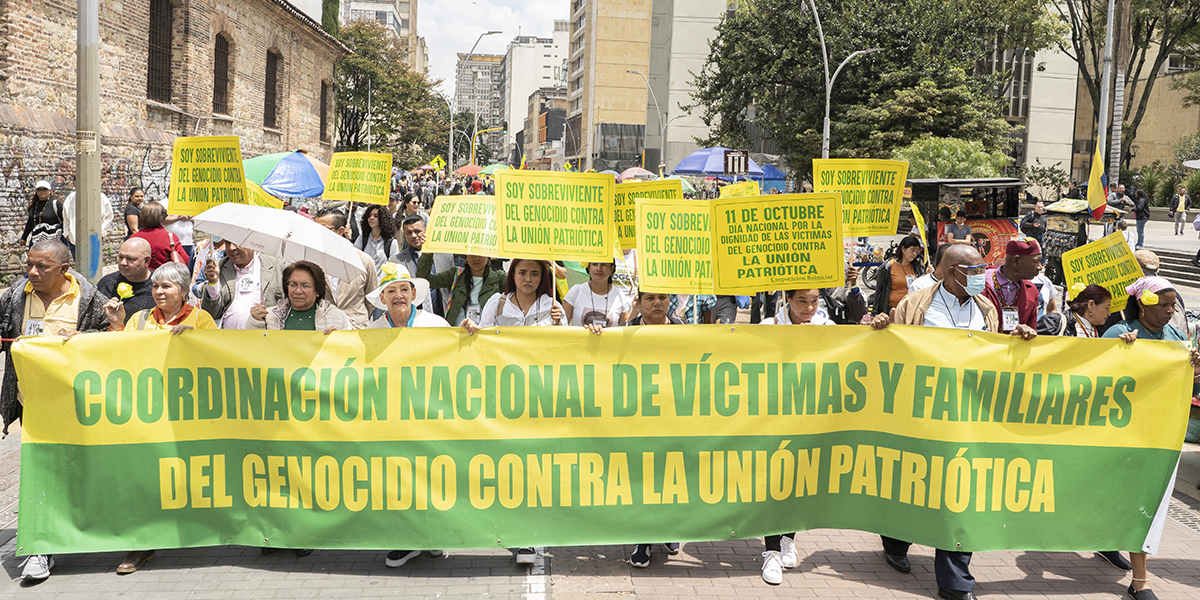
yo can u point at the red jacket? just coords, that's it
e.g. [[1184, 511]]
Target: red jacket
[[163, 245], [1027, 302]]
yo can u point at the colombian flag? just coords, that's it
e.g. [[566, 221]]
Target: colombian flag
[[1097, 194], [522, 161]]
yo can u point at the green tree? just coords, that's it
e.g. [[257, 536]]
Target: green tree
[[380, 96], [1049, 179], [765, 64], [329, 16], [949, 158], [1151, 31]]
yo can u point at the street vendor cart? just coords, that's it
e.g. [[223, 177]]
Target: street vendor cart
[[992, 207], [1066, 229]]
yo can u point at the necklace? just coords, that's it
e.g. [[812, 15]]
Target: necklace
[[592, 301], [1000, 292], [955, 313], [1085, 326]]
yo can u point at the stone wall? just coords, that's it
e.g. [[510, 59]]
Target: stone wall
[[37, 95]]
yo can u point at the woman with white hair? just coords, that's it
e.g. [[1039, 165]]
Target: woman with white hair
[[171, 311], [169, 287], [399, 294]]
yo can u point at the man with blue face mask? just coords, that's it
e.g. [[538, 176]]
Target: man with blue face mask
[[957, 302]]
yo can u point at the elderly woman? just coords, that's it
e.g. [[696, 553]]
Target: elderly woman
[[399, 294], [304, 308], [171, 311], [1148, 315], [169, 287]]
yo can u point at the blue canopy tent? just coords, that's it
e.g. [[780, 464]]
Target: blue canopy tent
[[709, 162], [771, 178]]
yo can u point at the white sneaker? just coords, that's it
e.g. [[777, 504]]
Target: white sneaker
[[787, 552], [772, 569], [397, 558], [526, 556], [37, 566]]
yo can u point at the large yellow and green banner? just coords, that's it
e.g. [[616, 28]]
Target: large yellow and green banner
[[430, 439], [872, 191]]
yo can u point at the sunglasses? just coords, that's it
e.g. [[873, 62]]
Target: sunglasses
[[973, 269]]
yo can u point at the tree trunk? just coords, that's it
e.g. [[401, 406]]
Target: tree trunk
[[1124, 51]]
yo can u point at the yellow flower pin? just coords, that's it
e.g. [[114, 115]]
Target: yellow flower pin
[[124, 291], [1077, 289], [1149, 299]]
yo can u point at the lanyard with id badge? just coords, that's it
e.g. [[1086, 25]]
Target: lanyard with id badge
[[1008, 313]]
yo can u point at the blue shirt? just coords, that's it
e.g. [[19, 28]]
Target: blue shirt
[[1169, 333]]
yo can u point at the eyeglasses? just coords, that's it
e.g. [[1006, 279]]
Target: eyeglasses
[[292, 285], [973, 269]]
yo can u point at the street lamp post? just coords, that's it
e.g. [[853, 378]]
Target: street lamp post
[[662, 126], [450, 147], [829, 80], [454, 107]]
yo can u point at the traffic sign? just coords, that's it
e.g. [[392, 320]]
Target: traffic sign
[[737, 162]]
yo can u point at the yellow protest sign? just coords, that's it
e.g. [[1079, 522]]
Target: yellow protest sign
[[871, 192], [205, 172], [1106, 262], [359, 177], [783, 242], [919, 220], [741, 190], [555, 216], [462, 225], [624, 211], [260, 197], [674, 246]]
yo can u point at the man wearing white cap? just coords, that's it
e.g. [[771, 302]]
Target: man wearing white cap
[[399, 294]]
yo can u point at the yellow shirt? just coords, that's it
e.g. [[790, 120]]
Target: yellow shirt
[[196, 317], [60, 317]]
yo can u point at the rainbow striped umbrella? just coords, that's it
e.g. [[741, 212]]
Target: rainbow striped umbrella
[[291, 174]]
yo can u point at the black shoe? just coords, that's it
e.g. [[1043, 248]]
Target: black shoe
[[1117, 560], [267, 551], [641, 556], [899, 563], [1146, 594], [302, 552], [949, 594], [673, 548]]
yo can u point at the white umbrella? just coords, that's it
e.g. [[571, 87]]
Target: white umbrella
[[1192, 164], [283, 234]]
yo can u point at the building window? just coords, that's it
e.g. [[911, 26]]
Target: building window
[[158, 63], [1177, 63], [324, 111], [403, 7], [270, 94], [221, 76]]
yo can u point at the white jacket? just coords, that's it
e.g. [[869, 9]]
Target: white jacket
[[327, 316]]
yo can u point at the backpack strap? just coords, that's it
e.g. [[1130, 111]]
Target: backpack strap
[[142, 317], [500, 306], [1062, 325]]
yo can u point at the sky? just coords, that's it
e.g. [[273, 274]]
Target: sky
[[451, 26]]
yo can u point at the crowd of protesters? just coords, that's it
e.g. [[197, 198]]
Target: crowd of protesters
[[403, 286]]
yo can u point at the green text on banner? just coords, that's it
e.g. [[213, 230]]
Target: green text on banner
[[625, 212], [674, 246], [555, 216], [463, 225], [205, 172], [779, 242], [871, 192], [531, 436], [359, 177]]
